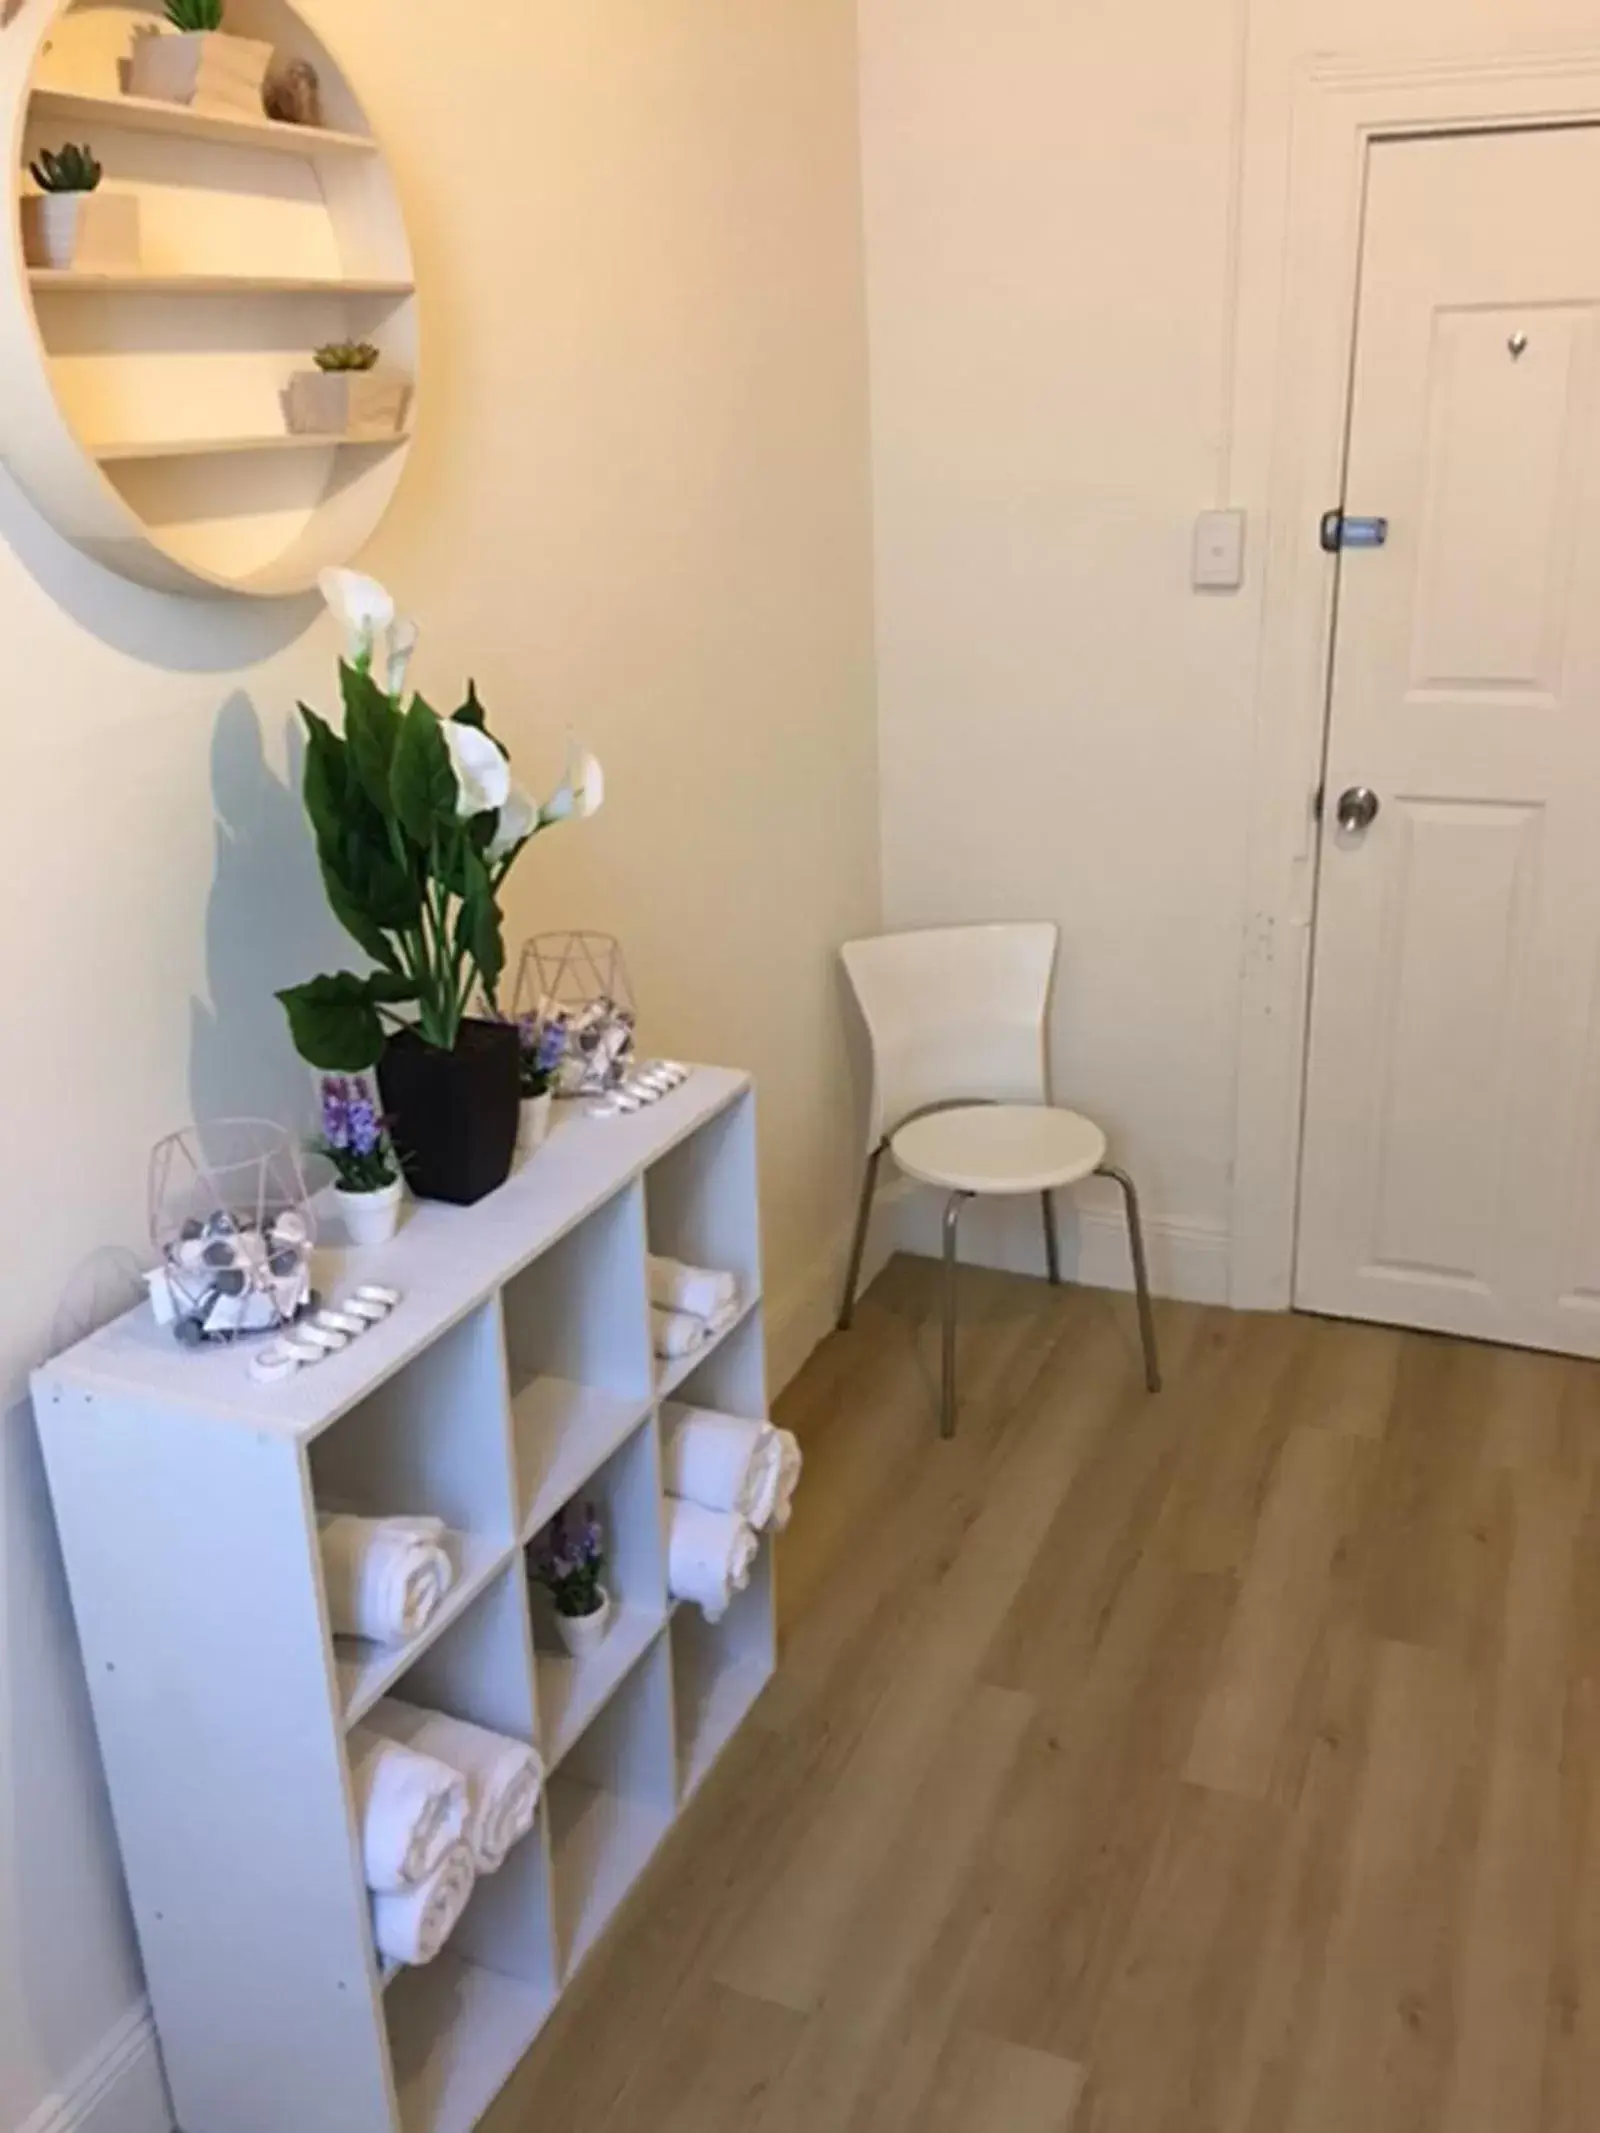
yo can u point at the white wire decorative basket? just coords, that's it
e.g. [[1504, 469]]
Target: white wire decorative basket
[[232, 1221], [577, 984]]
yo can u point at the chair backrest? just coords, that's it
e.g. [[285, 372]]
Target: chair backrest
[[955, 1012]]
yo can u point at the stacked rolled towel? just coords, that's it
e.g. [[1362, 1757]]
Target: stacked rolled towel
[[503, 1777], [412, 1925], [411, 1809], [384, 1577], [689, 1306], [725, 1464], [709, 1556]]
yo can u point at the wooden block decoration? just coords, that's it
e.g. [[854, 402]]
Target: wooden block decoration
[[347, 403], [205, 68], [88, 233]]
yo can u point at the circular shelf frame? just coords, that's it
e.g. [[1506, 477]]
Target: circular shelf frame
[[143, 410]]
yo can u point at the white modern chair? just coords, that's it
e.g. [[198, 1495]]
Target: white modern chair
[[961, 1096]]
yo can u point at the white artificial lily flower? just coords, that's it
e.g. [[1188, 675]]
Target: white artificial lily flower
[[519, 818], [581, 794], [363, 607], [402, 644], [483, 776]]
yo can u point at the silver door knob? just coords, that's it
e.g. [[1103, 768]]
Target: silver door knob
[[1358, 808]]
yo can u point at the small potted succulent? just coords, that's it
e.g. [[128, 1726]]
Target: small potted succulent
[[199, 64], [541, 1050], [347, 395], [70, 222], [356, 1142], [568, 1563]]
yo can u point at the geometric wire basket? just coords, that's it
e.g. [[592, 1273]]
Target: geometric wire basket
[[232, 1221], [577, 983]]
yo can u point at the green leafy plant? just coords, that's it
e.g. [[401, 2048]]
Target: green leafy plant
[[193, 15], [346, 355], [417, 823], [66, 170]]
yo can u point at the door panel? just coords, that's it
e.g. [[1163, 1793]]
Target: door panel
[[1451, 1172]]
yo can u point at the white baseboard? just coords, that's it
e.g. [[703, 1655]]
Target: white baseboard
[[118, 2088], [804, 1313], [1188, 1260]]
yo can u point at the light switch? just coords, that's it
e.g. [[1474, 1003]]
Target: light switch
[[1219, 551]]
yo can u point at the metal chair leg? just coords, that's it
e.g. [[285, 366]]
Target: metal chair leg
[[1052, 1243], [869, 1185], [947, 1395], [1141, 1274]]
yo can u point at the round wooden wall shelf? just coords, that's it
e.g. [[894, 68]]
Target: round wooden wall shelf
[[144, 404]]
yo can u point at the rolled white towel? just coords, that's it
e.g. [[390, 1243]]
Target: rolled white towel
[[677, 1333], [411, 1808], [790, 1462], [700, 1291], [709, 1556], [385, 1576], [412, 1925], [503, 1777], [721, 1462]]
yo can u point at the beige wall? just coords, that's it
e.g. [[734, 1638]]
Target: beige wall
[[1062, 202], [639, 505]]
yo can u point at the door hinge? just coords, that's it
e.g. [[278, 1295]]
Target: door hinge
[[1338, 532]]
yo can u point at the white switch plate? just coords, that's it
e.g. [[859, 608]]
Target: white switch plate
[[1219, 551]]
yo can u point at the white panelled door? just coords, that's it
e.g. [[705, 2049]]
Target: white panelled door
[[1451, 1173]]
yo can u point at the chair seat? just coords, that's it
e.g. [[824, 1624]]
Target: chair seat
[[1000, 1148]]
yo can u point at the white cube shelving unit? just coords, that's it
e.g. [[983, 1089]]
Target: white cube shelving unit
[[516, 1377]]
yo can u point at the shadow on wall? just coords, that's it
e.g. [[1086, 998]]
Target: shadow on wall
[[153, 627], [267, 926]]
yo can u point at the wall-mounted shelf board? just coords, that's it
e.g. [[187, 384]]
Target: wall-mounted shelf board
[[207, 447], [57, 281], [142, 114], [257, 243], [515, 1378]]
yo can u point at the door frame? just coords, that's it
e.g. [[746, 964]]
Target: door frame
[[1300, 269]]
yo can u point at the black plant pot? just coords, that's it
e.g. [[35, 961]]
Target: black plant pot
[[453, 1115]]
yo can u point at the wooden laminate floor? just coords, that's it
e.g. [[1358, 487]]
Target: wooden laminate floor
[[1224, 1761]]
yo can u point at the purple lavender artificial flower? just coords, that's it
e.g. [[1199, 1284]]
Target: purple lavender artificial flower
[[365, 1127], [335, 1109]]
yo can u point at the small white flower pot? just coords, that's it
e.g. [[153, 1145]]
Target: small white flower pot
[[94, 232], [370, 1217], [583, 1635], [347, 403], [207, 69], [534, 1127]]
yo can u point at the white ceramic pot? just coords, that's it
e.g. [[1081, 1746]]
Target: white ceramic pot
[[534, 1128], [370, 1217], [584, 1634], [93, 232]]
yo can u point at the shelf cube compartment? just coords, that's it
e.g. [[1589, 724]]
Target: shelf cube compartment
[[730, 1377], [701, 1198], [718, 1671], [458, 2027], [578, 1351], [431, 1440], [626, 1494], [611, 1803]]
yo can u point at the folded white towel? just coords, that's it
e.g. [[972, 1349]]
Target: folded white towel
[[721, 1462], [410, 1808], [677, 1333], [700, 1291], [503, 1777], [412, 1925], [385, 1576], [709, 1556], [789, 1465]]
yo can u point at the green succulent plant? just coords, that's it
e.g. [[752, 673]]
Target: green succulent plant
[[346, 355], [192, 15], [70, 169]]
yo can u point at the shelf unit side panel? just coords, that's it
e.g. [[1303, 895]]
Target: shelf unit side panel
[[197, 1594]]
